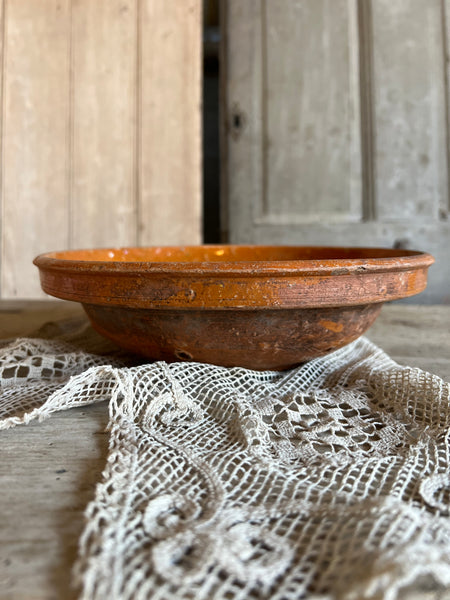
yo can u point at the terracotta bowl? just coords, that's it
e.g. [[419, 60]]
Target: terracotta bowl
[[260, 307]]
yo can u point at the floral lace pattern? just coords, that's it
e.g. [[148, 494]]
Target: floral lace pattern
[[326, 481]]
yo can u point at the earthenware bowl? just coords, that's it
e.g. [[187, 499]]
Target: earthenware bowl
[[261, 307]]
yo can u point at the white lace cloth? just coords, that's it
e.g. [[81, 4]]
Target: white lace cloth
[[327, 481]]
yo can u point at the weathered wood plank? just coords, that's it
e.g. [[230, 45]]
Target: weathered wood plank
[[48, 475], [103, 179], [35, 215], [170, 134], [18, 318], [409, 109], [311, 131], [289, 65], [415, 336], [242, 168], [293, 116]]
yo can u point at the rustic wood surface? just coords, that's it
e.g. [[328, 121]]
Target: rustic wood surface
[[49, 470]]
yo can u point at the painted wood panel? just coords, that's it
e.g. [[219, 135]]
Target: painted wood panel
[[409, 109], [311, 112], [295, 156], [169, 144], [35, 139], [399, 196], [104, 101], [101, 139], [242, 169]]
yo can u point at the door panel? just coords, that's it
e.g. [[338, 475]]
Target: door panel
[[336, 126], [409, 110], [310, 115]]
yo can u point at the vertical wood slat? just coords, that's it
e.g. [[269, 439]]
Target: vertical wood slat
[[445, 11], [2, 58], [243, 171], [170, 142], [365, 46], [35, 139], [409, 109], [103, 195]]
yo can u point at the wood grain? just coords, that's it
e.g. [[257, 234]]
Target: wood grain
[[35, 154], [409, 109], [342, 136], [311, 126], [415, 336], [103, 178], [242, 83], [101, 140], [23, 317], [170, 140], [292, 78], [48, 476]]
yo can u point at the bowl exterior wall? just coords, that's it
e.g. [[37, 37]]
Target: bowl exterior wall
[[153, 289], [261, 307], [255, 339]]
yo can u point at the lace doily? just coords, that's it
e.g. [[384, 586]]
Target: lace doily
[[328, 481]]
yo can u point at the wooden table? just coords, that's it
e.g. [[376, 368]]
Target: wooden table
[[48, 470]]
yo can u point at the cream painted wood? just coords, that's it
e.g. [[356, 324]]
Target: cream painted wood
[[104, 96], [362, 163], [35, 138], [101, 118], [169, 143]]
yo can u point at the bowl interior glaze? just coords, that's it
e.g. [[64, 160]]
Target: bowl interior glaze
[[231, 254]]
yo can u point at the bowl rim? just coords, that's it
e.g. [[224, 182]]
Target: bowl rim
[[400, 260]]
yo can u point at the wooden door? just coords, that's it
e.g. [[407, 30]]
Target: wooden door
[[100, 129], [336, 125]]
